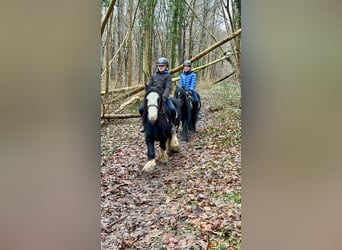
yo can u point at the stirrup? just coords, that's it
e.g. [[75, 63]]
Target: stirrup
[[142, 130]]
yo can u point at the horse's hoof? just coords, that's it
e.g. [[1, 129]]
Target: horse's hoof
[[174, 144], [149, 166], [163, 157]]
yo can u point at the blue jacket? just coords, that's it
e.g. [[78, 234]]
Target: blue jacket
[[188, 81]]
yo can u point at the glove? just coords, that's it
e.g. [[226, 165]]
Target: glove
[[164, 98]]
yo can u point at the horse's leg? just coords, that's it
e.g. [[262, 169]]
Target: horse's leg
[[194, 117], [193, 121], [187, 123], [173, 143], [163, 157], [151, 163], [195, 114], [185, 131]]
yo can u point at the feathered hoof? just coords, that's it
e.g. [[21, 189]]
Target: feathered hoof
[[174, 144], [149, 166], [163, 157]]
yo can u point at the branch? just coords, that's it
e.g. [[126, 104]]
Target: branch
[[125, 95], [211, 63], [224, 78], [121, 89], [131, 100], [212, 47], [109, 12], [120, 116]]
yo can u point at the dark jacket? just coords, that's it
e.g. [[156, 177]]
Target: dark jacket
[[163, 81]]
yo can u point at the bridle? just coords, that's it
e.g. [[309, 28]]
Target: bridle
[[158, 107], [153, 105]]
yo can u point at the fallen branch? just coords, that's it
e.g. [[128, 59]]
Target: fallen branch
[[120, 116], [211, 63], [121, 89], [131, 100], [109, 227], [125, 95], [206, 51], [224, 78], [214, 109]]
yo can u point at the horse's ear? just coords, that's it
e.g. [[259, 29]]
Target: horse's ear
[[146, 86]]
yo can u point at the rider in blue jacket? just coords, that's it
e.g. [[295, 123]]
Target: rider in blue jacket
[[187, 80]]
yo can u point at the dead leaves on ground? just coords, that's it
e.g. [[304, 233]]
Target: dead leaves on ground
[[193, 202]]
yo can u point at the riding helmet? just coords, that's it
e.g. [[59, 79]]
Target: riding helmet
[[162, 61], [187, 63]]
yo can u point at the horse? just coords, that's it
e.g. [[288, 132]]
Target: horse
[[157, 126], [188, 111]]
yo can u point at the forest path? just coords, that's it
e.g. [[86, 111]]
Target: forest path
[[192, 202]]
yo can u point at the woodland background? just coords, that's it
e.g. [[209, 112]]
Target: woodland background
[[137, 32], [194, 201]]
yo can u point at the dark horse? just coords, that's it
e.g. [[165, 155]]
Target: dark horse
[[188, 111], [156, 120]]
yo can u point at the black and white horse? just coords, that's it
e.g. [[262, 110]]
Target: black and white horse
[[188, 110], [157, 125]]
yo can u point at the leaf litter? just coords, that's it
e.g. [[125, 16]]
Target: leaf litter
[[192, 202]]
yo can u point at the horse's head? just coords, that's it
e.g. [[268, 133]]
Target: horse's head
[[153, 104], [189, 96], [180, 93]]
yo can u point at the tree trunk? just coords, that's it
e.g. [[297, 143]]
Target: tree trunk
[[107, 54], [147, 8], [109, 12], [130, 45], [190, 30]]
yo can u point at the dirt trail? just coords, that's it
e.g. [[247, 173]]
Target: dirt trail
[[193, 202]]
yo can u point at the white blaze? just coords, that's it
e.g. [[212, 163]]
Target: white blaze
[[152, 106]]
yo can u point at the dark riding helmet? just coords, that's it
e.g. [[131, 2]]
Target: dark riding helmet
[[162, 61], [187, 63]]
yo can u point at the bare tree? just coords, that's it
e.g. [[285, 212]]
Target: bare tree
[[130, 44], [176, 29]]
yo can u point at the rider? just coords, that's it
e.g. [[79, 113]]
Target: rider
[[187, 80], [162, 78]]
